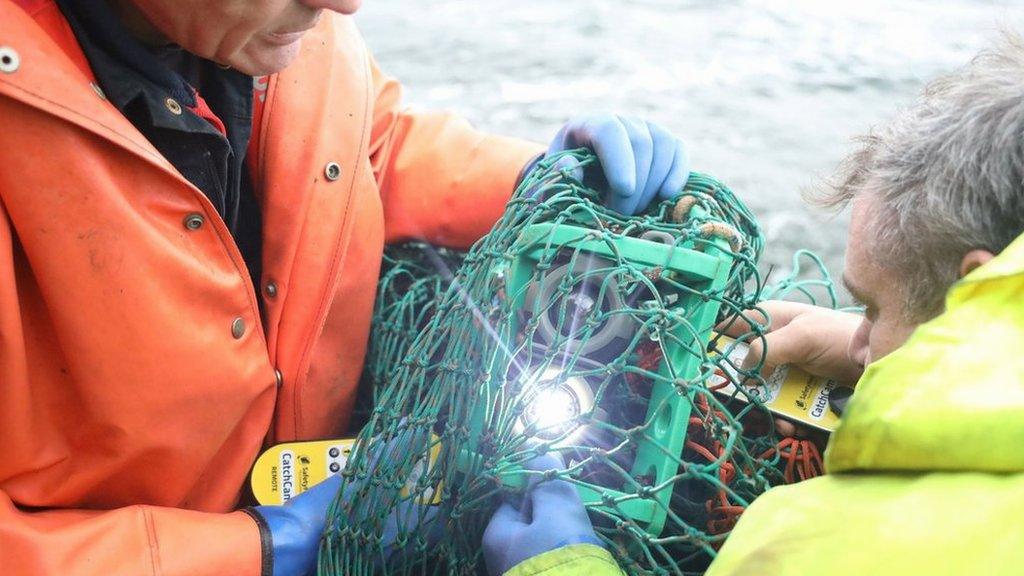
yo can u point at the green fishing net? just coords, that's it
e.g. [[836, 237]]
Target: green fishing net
[[574, 330]]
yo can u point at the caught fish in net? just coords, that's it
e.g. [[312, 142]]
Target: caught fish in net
[[568, 329]]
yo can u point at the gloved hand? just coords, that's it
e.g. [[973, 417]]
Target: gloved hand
[[295, 527], [551, 515], [639, 160]]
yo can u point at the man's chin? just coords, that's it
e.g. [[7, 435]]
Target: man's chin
[[260, 58]]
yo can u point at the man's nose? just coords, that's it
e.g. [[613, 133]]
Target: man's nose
[[860, 344]]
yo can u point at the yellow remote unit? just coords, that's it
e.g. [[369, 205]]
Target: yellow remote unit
[[286, 470], [787, 391]]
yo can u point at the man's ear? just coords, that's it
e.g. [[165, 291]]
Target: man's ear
[[974, 259]]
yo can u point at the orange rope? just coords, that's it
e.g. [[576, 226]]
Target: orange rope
[[722, 514], [803, 461]]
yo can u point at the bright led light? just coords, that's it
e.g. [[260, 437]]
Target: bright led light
[[556, 407]]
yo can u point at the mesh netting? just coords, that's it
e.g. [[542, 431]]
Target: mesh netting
[[570, 329]]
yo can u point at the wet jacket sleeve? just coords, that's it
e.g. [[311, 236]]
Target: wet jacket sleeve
[[881, 524], [575, 560], [440, 180], [137, 540], [134, 540]]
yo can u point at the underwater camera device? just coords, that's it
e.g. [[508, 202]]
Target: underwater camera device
[[611, 327]]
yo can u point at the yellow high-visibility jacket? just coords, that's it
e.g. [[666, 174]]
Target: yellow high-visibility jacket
[[926, 470]]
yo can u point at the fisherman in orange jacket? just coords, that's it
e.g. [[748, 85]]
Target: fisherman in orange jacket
[[194, 200]]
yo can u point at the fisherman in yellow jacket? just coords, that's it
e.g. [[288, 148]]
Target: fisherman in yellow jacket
[[925, 474]]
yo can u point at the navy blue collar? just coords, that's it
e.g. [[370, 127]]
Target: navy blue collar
[[140, 82], [103, 37]]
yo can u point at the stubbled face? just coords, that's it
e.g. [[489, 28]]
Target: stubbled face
[[256, 37], [885, 326]]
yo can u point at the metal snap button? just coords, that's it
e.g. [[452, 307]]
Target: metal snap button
[[271, 289], [332, 171], [173, 106], [9, 60], [278, 378], [238, 328], [194, 221]]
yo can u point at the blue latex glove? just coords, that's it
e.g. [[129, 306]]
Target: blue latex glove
[[296, 526], [551, 515], [639, 160]]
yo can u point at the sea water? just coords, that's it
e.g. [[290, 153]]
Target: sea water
[[767, 93]]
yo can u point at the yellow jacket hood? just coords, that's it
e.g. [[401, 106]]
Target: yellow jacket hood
[[952, 398]]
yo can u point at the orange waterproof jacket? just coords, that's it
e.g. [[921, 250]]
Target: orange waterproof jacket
[[137, 381]]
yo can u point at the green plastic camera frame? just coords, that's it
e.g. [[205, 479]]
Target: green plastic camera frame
[[703, 265]]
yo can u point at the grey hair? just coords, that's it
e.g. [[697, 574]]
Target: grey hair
[[946, 176]]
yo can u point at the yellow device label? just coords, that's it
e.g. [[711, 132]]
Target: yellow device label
[[286, 470], [788, 391]]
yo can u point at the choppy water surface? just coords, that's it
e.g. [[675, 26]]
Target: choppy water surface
[[767, 93]]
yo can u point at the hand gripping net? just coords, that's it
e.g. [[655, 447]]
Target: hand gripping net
[[551, 335]]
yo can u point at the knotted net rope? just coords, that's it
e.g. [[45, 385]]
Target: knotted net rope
[[563, 297]]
